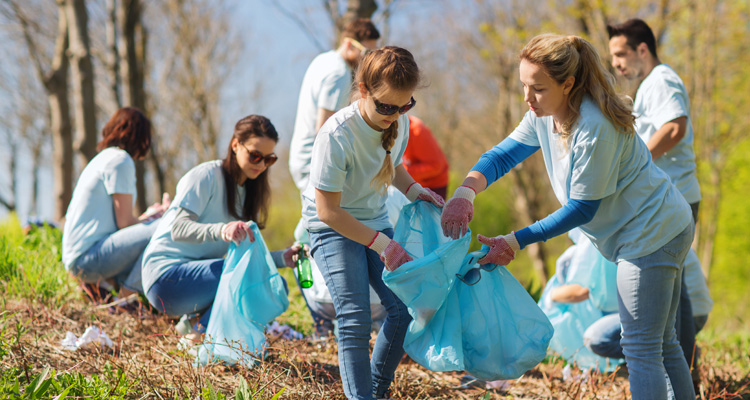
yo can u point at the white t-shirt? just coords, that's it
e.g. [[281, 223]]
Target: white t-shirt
[[91, 214], [326, 85], [201, 191], [640, 210], [661, 98], [346, 156]]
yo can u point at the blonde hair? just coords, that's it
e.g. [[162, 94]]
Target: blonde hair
[[387, 68], [565, 56]]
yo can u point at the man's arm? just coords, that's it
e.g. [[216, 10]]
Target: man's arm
[[323, 116], [666, 137]]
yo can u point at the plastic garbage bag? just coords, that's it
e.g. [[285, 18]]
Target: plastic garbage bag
[[595, 272], [571, 319], [492, 329], [251, 294]]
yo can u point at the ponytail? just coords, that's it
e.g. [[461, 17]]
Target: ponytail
[[387, 68], [565, 56], [385, 176]]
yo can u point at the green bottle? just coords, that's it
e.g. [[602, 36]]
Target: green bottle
[[304, 270]]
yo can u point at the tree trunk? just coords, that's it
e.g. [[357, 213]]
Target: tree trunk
[[131, 75], [113, 55], [56, 85], [83, 80]]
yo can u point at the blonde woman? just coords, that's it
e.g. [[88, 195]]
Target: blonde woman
[[603, 176]]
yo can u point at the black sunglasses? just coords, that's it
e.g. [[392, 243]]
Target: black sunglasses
[[256, 157], [390, 109], [472, 276]]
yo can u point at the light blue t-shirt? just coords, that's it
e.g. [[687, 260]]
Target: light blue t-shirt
[[91, 214], [201, 191], [661, 98], [640, 210], [346, 156], [327, 84]]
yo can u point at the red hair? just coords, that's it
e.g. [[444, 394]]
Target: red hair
[[128, 129]]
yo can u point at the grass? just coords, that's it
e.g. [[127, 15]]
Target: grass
[[41, 302]]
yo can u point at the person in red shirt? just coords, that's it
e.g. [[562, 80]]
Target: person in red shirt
[[423, 158]]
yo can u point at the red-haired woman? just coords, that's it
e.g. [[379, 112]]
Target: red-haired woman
[[102, 240]]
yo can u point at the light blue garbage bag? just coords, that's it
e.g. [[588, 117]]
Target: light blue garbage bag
[[250, 295], [493, 329], [595, 272], [571, 319]]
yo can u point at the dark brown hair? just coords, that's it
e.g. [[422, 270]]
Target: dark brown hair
[[360, 29], [636, 31], [258, 190], [392, 68], [128, 129]]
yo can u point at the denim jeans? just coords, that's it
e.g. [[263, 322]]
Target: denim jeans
[[648, 292], [117, 256], [187, 288], [349, 268], [603, 336]]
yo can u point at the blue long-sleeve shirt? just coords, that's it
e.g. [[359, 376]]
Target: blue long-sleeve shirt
[[499, 160]]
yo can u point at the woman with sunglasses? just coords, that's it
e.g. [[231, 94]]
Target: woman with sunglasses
[[603, 175], [183, 262], [356, 155]]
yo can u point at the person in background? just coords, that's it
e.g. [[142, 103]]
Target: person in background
[[424, 160], [326, 89], [604, 178], [182, 264], [102, 240], [662, 110]]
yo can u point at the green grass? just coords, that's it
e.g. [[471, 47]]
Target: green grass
[[30, 264]]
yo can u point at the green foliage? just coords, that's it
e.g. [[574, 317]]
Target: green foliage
[[729, 276], [30, 264]]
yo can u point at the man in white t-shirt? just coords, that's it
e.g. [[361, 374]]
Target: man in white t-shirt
[[662, 111], [661, 107], [325, 90]]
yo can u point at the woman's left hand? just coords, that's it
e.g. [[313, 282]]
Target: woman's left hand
[[417, 192], [503, 249]]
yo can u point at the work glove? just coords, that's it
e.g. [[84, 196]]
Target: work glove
[[503, 249], [390, 252], [417, 192], [458, 212]]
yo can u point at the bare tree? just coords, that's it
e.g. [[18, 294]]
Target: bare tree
[[196, 49], [82, 78], [54, 78]]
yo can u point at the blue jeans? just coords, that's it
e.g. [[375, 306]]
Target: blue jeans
[[648, 293], [187, 288], [117, 256], [349, 268]]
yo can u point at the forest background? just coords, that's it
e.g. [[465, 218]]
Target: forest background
[[197, 66]]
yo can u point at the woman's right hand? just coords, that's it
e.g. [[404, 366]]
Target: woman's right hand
[[458, 212], [390, 252], [236, 231]]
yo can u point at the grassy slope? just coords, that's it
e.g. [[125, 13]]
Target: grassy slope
[[40, 302]]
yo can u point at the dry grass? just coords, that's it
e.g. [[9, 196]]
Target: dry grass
[[145, 349]]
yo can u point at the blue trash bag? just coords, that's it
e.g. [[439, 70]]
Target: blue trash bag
[[570, 320], [251, 294], [595, 272], [493, 329]]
